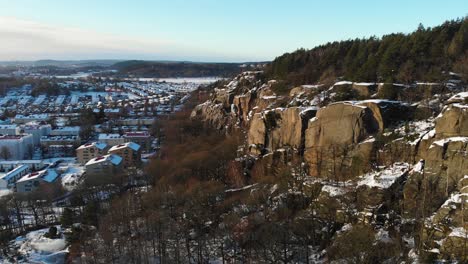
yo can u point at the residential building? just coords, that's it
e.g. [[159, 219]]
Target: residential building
[[9, 130], [58, 151], [66, 131], [9, 165], [89, 151], [130, 152], [104, 165], [37, 131], [18, 146], [34, 180], [111, 139], [144, 121], [142, 138], [9, 180], [23, 119], [112, 112], [47, 141]]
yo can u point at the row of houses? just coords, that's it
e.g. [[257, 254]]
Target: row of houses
[[142, 138], [18, 146], [18, 141], [28, 175], [98, 159]]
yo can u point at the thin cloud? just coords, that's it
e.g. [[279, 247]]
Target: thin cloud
[[25, 40]]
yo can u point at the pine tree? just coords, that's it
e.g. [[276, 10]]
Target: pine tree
[[459, 43]]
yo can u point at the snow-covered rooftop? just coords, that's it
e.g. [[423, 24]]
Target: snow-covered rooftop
[[67, 129], [46, 175], [103, 136], [98, 145], [15, 172], [114, 159], [131, 145]]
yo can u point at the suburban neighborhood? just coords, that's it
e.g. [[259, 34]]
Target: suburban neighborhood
[[85, 127]]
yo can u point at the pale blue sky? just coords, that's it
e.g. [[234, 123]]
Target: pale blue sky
[[203, 30]]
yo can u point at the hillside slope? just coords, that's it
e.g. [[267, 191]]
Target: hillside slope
[[393, 169]]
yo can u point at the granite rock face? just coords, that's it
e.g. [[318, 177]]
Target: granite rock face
[[278, 128], [377, 161], [212, 114], [453, 121]]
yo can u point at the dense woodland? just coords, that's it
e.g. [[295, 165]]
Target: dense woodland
[[419, 56]]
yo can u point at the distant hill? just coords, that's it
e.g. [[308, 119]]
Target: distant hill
[[162, 69], [60, 63], [139, 68]]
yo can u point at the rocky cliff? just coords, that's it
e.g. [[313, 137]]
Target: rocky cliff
[[378, 161]]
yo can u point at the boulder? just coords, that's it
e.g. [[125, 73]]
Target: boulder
[[463, 184], [304, 90], [397, 150], [363, 154], [423, 112], [453, 121], [256, 137], [243, 106], [277, 158], [333, 134], [337, 130], [279, 128], [454, 246], [339, 124], [287, 131], [296, 91], [447, 230], [446, 160], [458, 98], [445, 167], [224, 97], [388, 112], [212, 114]]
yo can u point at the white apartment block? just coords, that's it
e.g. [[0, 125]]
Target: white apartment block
[[9, 130], [18, 145]]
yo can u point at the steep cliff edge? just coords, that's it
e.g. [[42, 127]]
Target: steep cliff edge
[[358, 153]]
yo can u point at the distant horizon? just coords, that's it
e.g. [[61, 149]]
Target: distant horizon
[[122, 60], [201, 31]]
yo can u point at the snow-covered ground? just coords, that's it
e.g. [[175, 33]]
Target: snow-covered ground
[[4, 192], [72, 176], [335, 190], [34, 247], [385, 178]]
